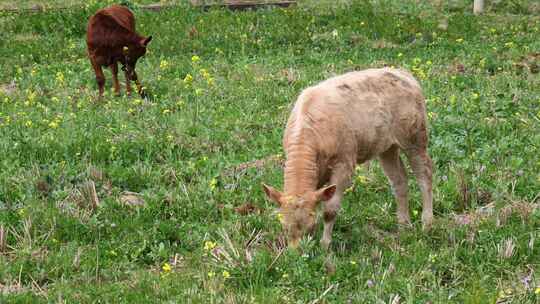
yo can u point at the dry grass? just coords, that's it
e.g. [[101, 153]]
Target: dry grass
[[241, 169], [3, 238], [89, 194], [129, 198]]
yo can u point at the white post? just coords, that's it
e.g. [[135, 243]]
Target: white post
[[478, 7]]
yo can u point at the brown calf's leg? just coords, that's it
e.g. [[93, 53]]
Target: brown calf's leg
[[395, 172], [116, 84], [100, 78], [128, 79], [341, 177], [138, 84], [422, 167]]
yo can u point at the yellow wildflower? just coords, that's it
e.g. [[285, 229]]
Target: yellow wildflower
[[211, 274], [195, 58], [163, 64], [53, 124], [28, 123], [59, 77], [362, 179], [166, 111], [204, 73], [166, 267], [31, 96], [509, 44], [188, 79], [226, 274], [280, 217], [213, 183], [209, 245], [537, 290]]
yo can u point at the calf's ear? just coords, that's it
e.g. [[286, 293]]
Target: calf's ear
[[326, 193], [146, 40], [272, 194]]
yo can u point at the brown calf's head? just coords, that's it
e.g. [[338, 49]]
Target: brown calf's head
[[134, 51], [298, 213]]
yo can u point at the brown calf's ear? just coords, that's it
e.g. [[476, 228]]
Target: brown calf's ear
[[146, 40], [272, 194], [326, 193]]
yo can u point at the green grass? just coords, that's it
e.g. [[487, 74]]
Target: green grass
[[62, 4], [482, 87]]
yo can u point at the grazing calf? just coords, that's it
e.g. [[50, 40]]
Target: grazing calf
[[344, 121], [111, 38]]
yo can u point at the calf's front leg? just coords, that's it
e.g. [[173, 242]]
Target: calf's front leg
[[114, 72], [341, 177], [128, 79], [140, 89], [133, 76]]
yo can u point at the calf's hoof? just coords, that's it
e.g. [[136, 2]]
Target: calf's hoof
[[427, 221], [325, 244], [404, 222]]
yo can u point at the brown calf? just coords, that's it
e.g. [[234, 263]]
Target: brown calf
[[344, 121], [111, 38]]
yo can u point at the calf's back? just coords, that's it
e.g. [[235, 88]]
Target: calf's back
[[356, 116]]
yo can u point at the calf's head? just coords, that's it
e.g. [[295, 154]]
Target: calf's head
[[133, 52], [298, 213]]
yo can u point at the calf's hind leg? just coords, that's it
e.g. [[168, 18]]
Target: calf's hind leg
[[100, 78], [422, 167], [396, 174]]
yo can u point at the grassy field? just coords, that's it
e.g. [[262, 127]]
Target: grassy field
[[198, 228]]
